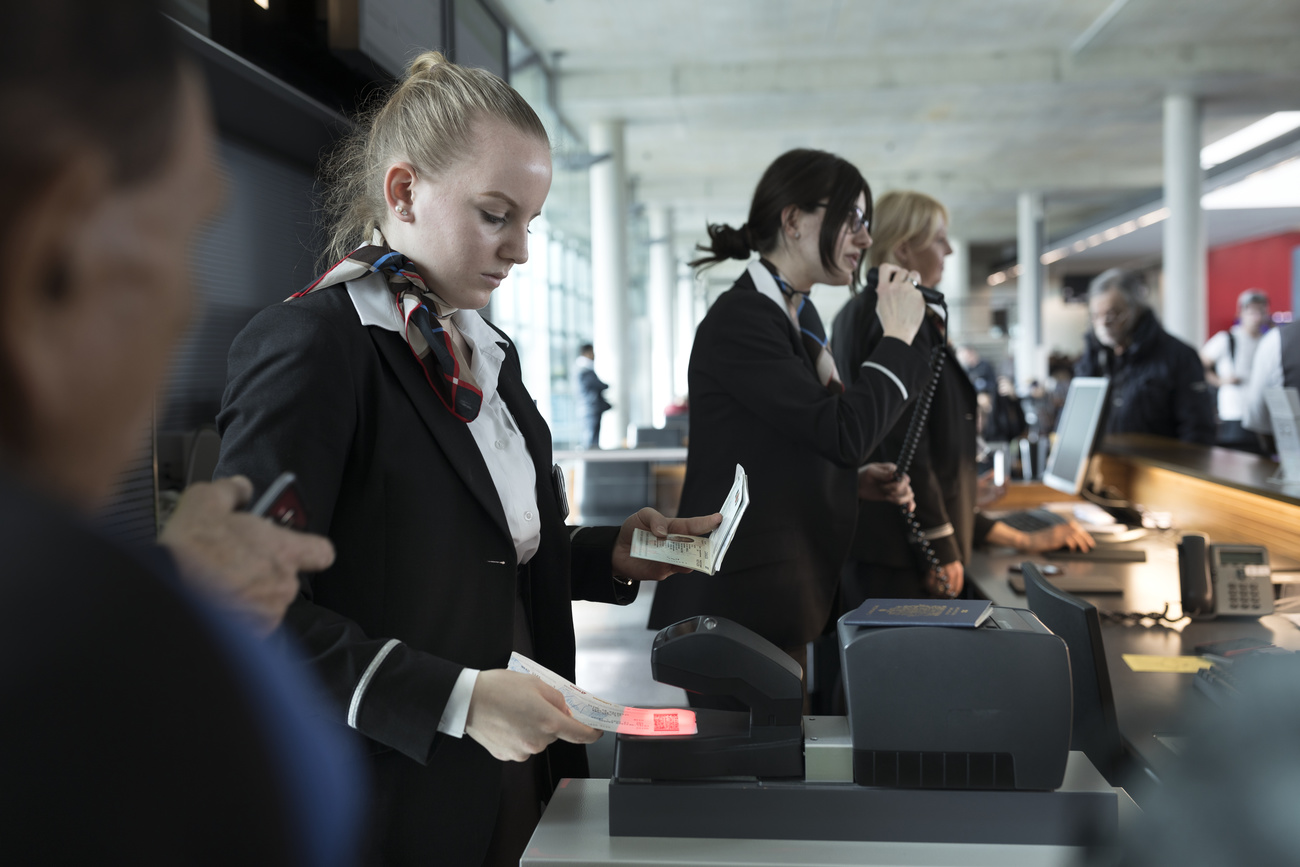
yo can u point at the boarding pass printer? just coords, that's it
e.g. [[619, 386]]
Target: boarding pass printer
[[952, 735]]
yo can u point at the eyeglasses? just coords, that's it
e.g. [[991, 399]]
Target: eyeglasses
[[856, 221]]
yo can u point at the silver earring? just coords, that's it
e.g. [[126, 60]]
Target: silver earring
[[402, 211], [796, 234]]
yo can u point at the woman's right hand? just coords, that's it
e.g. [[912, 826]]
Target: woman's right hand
[[514, 716], [900, 306]]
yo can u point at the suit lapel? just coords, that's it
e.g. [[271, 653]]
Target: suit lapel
[[452, 435]]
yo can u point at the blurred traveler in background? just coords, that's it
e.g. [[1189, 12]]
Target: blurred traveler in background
[[1228, 357], [1276, 365], [1157, 382], [591, 395]]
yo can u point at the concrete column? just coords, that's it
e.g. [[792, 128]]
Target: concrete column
[[1029, 295], [609, 275], [955, 286], [1184, 301], [662, 289], [685, 328]]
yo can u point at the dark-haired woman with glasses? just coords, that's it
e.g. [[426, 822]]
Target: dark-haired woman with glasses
[[765, 394]]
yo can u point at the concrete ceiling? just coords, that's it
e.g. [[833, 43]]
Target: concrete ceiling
[[969, 101]]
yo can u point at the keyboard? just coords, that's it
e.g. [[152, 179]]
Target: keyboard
[[1033, 520], [1102, 553]]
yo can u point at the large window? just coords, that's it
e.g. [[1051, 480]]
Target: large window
[[545, 304]]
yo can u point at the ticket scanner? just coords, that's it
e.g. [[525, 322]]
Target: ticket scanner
[[952, 735]]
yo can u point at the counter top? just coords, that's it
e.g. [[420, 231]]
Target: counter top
[[1234, 469]]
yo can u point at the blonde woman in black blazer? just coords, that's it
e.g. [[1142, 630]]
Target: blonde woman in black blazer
[[765, 394], [422, 456]]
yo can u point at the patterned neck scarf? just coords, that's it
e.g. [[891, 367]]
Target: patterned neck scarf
[[430, 339], [811, 331]]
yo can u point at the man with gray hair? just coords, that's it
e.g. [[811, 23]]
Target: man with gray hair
[[1157, 382], [1227, 357]]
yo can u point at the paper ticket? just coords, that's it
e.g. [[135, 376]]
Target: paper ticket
[[701, 553], [605, 715], [693, 552]]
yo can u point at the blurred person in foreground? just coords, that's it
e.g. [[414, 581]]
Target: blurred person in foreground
[[911, 232], [1230, 801], [1157, 382], [1228, 357], [143, 724]]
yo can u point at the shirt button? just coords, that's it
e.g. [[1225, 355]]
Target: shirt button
[[528, 516], [499, 444], [1119, 401]]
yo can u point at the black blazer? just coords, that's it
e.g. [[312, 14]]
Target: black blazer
[[943, 470], [424, 554], [756, 400]]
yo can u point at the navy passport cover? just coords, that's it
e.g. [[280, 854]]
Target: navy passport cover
[[919, 612]]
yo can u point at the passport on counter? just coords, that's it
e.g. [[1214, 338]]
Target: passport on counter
[[968, 613], [701, 553]]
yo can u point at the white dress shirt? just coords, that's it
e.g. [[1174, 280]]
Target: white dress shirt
[[1265, 373], [498, 438], [1232, 397]]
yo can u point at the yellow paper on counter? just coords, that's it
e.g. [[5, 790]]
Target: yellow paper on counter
[[1169, 664]]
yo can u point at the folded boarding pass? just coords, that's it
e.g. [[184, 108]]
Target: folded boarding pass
[[701, 553], [605, 715]]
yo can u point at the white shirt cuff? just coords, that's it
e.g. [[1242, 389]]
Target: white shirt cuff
[[457, 709]]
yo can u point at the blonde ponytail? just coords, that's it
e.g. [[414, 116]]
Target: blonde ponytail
[[427, 119]]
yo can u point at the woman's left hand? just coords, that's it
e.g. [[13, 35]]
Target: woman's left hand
[[652, 522], [877, 482]]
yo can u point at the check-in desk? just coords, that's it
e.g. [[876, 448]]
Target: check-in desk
[[1223, 493]]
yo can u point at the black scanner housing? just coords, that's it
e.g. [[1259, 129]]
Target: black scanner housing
[[715, 656]]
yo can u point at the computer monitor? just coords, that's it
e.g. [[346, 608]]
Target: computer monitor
[[1076, 434], [1095, 731]]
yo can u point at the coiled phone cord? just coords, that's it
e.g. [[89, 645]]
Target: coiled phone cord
[[925, 551]]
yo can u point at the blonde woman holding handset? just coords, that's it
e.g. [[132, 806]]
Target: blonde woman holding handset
[[422, 456]]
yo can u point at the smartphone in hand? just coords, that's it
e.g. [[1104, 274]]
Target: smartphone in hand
[[282, 503]]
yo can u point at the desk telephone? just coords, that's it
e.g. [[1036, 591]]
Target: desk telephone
[[1223, 580]]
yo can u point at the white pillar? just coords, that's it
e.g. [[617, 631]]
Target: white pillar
[[955, 286], [662, 288], [685, 328], [1183, 312], [609, 275], [1029, 295]]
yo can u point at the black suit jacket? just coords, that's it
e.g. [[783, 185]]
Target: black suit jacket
[[424, 554], [130, 736], [756, 400], [943, 470]]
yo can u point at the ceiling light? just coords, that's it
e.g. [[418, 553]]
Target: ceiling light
[[1276, 124], [1274, 187]]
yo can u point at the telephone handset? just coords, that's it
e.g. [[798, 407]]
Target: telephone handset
[[1223, 580], [916, 534]]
